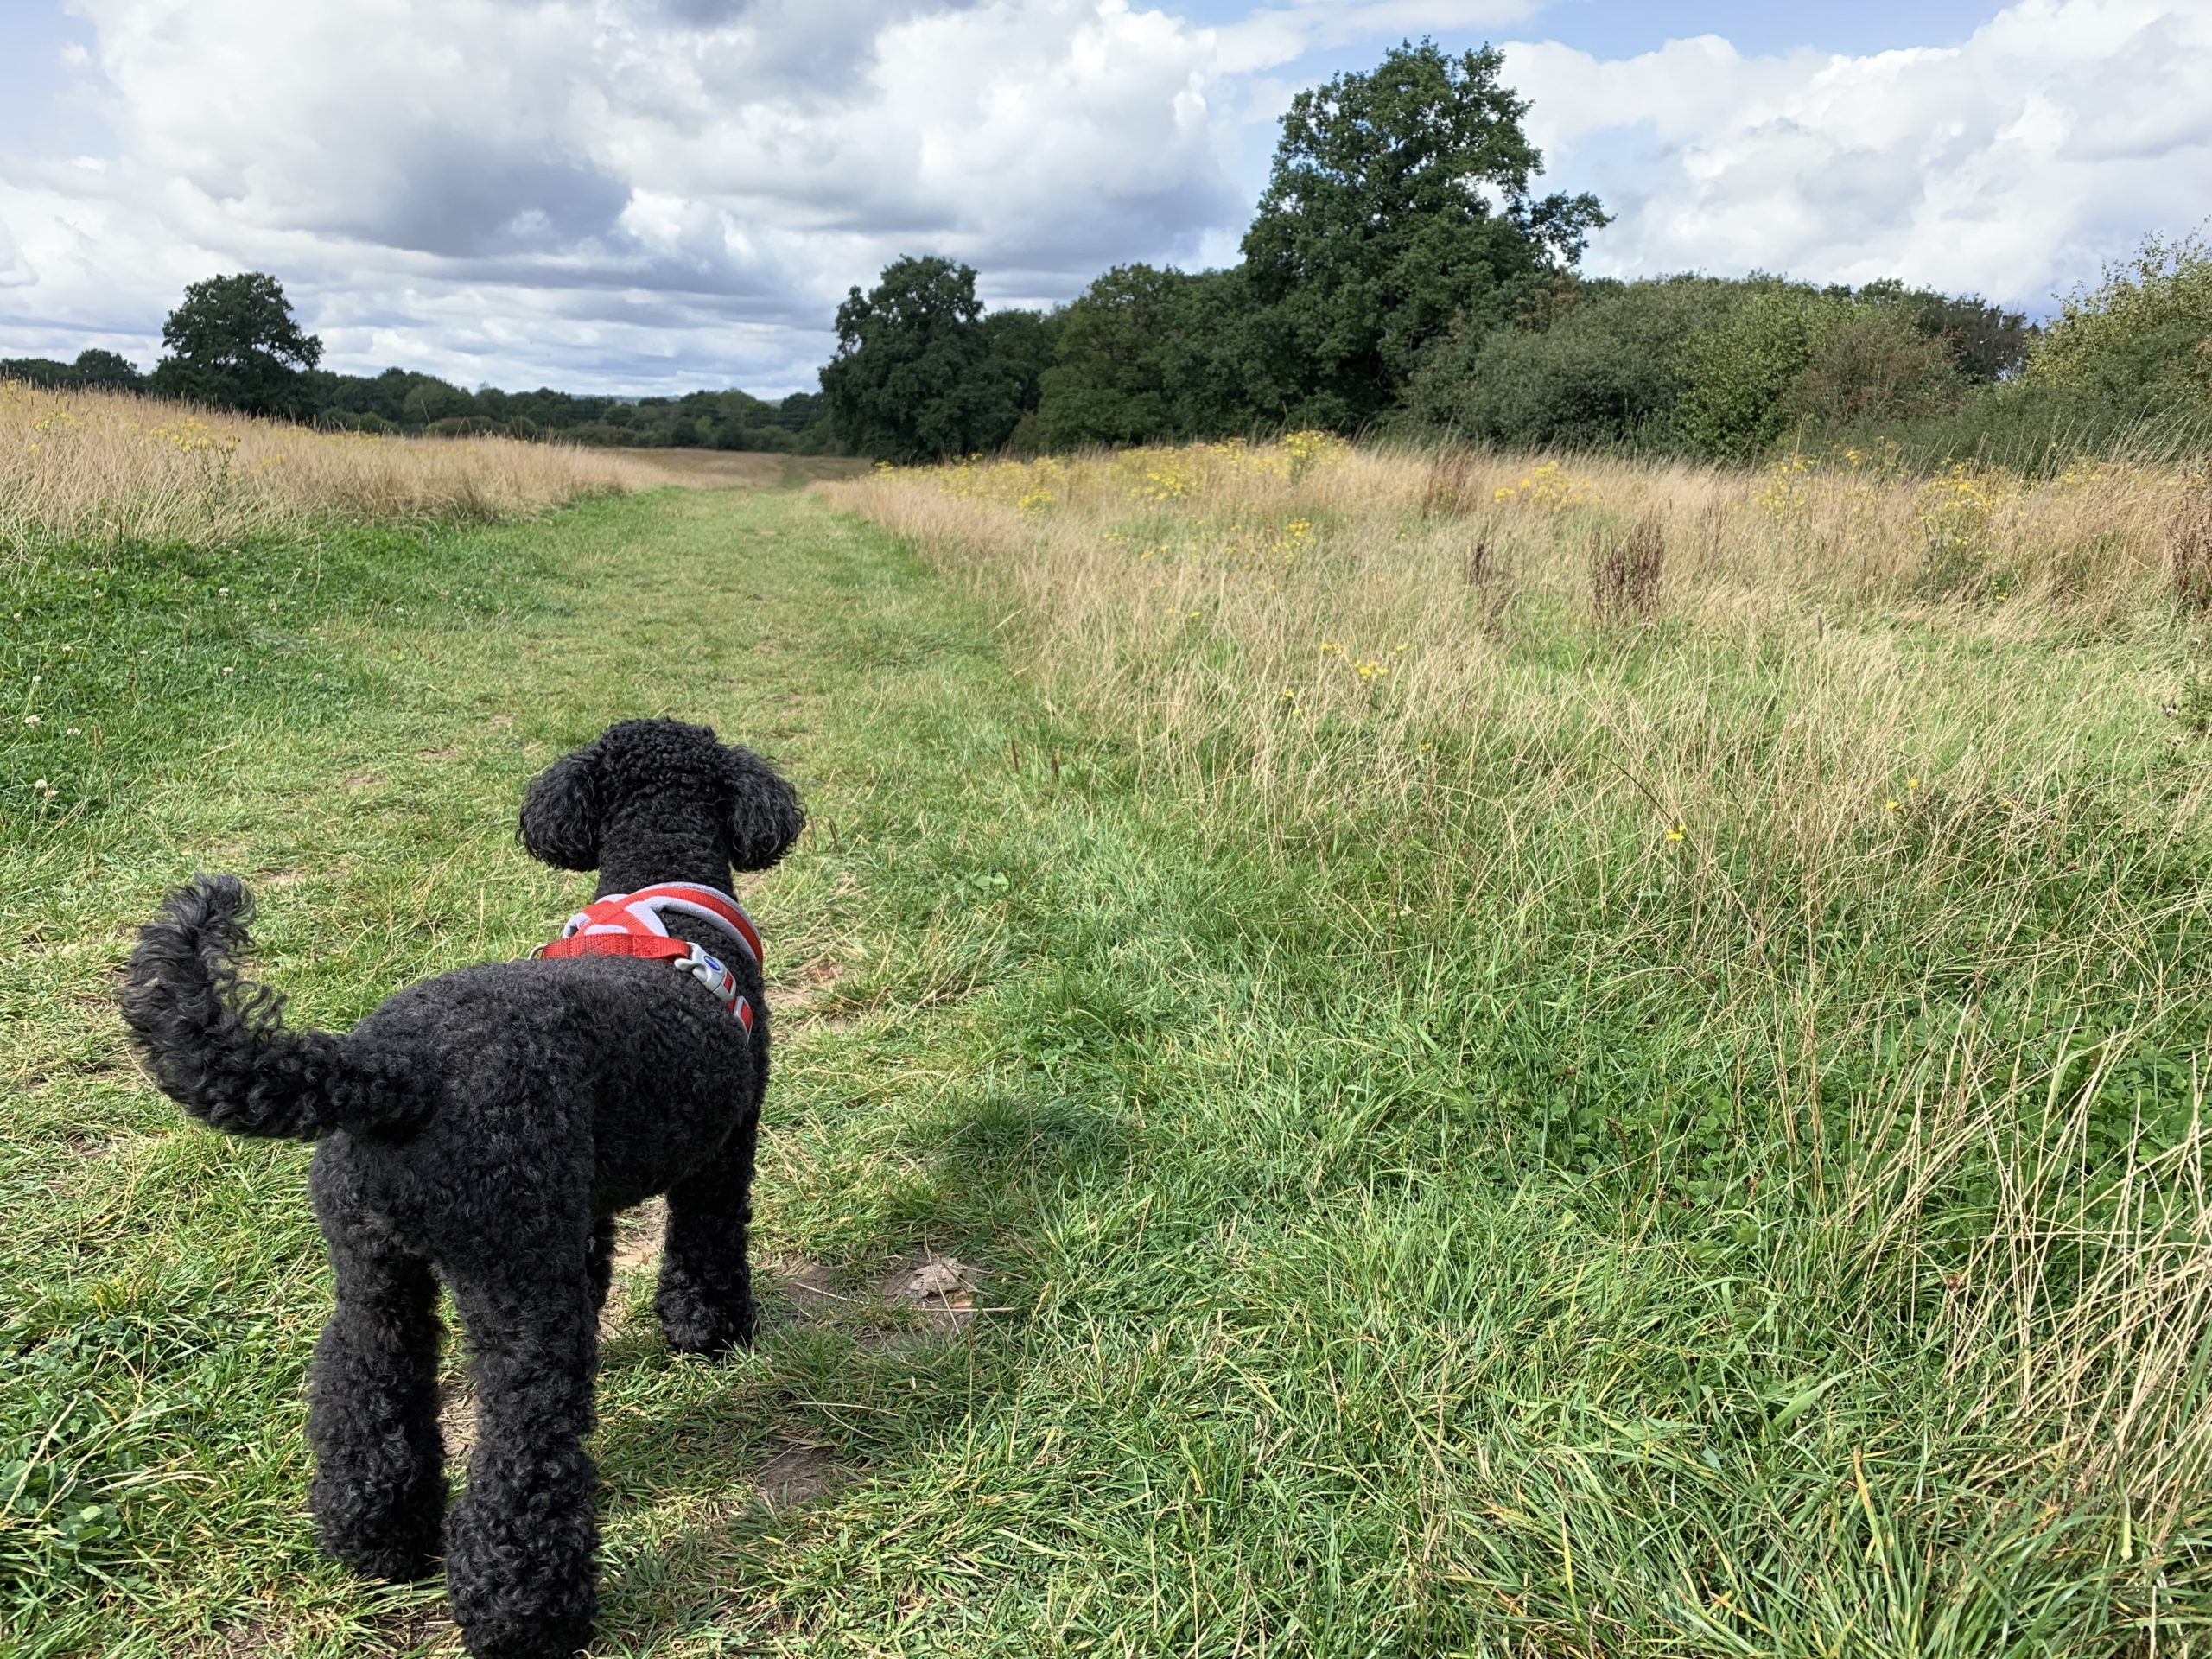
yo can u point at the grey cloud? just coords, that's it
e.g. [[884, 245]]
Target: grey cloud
[[1078, 245], [705, 14], [454, 196], [595, 293], [811, 51], [867, 208], [69, 326]]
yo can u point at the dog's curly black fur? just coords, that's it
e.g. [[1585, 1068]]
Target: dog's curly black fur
[[484, 1129]]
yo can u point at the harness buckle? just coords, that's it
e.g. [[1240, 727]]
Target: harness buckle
[[710, 972]]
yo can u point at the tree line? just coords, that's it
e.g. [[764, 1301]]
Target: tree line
[[235, 343], [1400, 274]]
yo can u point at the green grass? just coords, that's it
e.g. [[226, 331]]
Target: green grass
[[1377, 1259]]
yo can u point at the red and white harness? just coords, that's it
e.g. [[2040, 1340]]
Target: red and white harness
[[629, 925]]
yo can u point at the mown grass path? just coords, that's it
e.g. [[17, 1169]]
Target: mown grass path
[[1288, 1332], [167, 1283]]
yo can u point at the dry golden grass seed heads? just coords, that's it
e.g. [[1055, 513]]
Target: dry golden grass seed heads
[[93, 465]]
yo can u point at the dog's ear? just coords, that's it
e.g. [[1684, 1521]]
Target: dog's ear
[[561, 813], [763, 810]]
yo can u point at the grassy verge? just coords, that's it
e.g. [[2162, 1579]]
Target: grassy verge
[[1413, 1207]]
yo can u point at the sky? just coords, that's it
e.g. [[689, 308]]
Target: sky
[[647, 196]]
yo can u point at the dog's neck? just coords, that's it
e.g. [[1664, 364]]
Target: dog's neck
[[663, 848], [629, 878]]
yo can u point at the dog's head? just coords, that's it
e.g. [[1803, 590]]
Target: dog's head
[[657, 800]]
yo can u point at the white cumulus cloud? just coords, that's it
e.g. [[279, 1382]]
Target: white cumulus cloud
[[2010, 164], [625, 192], [643, 194]]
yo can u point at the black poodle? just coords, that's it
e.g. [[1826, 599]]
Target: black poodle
[[483, 1129]]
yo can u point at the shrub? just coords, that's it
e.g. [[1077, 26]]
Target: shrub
[[466, 426], [1738, 379], [2140, 343], [1724, 370], [1868, 363], [1985, 343], [604, 434], [432, 403], [1595, 366]]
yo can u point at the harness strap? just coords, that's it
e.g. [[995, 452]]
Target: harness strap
[[645, 945], [641, 912], [629, 925]]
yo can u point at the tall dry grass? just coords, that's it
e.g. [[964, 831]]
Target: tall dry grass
[[108, 466], [1889, 779], [1301, 597]]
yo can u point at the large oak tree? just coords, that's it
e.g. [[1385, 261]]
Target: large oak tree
[[1400, 203], [234, 342], [921, 374]]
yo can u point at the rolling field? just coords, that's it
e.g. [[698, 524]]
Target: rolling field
[[1377, 1055]]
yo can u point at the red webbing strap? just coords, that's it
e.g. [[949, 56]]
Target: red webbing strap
[[652, 947]]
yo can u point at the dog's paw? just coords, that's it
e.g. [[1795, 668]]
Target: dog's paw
[[521, 1572], [695, 1324], [398, 1549]]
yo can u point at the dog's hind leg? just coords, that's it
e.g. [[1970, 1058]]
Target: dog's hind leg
[[521, 1546], [379, 1489], [705, 1296]]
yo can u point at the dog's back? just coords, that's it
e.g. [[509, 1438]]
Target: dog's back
[[615, 1077]]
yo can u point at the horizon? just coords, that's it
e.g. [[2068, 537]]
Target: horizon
[[675, 197]]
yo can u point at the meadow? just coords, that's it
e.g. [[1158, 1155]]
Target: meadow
[[1789, 884], [1522, 1056]]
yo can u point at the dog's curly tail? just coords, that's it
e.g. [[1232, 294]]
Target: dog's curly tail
[[217, 1045]]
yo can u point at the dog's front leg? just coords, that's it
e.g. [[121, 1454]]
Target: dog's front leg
[[522, 1545], [705, 1296]]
